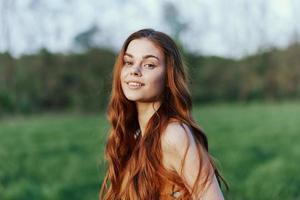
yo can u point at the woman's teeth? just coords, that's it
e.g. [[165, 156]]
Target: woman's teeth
[[134, 84]]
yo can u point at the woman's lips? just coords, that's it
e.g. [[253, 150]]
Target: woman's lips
[[134, 84]]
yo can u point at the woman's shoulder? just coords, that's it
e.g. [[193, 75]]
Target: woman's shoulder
[[176, 140], [176, 135]]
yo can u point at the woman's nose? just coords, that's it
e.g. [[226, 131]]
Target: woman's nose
[[135, 70]]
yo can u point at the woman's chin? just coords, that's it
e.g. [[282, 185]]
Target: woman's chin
[[133, 98]]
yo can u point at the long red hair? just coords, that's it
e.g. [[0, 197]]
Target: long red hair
[[141, 159]]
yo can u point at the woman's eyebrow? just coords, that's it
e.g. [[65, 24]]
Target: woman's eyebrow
[[127, 54], [144, 57], [150, 56]]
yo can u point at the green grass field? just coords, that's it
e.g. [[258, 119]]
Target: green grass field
[[60, 156]]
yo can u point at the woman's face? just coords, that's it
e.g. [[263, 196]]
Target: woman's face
[[144, 71]]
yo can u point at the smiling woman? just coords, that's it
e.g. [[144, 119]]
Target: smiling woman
[[155, 150], [143, 74]]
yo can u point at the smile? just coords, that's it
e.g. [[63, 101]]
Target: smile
[[134, 85]]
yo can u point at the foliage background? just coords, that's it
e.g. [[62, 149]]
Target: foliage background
[[81, 82]]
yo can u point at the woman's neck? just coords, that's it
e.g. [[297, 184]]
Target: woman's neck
[[145, 111]]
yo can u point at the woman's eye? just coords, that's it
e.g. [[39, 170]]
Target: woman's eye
[[150, 66], [128, 63]]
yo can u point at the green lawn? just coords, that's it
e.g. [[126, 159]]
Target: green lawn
[[51, 157], [257, 146], [59, 156]]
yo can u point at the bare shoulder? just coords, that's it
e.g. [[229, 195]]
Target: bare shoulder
[[176, 138], [176, 141], [181, 153]]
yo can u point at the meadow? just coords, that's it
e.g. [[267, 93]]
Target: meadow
[[59, 156]]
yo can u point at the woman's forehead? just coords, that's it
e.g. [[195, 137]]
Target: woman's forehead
[[144, 48]]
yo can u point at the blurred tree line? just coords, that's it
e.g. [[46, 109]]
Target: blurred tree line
[[46, 81], [270, 75], [82, 82]]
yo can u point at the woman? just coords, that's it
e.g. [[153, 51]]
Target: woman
[[155, 150]]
